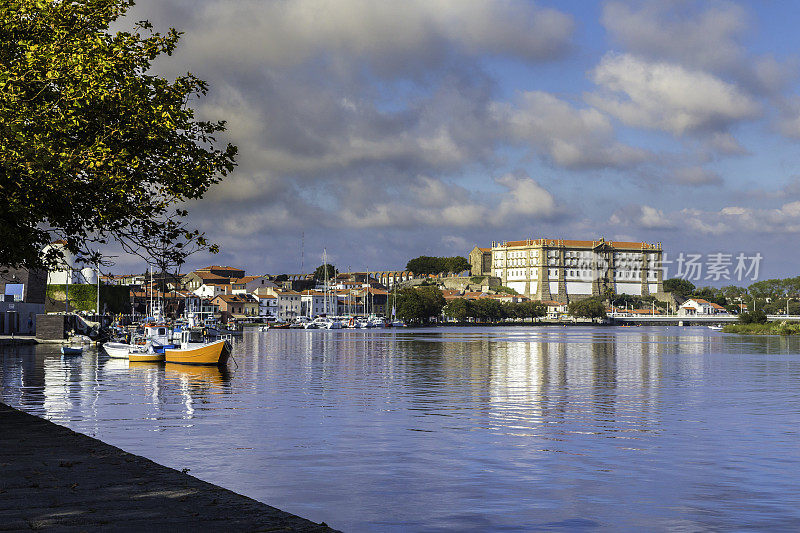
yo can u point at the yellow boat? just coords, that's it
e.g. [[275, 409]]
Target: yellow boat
[[195, 353], [145, 357]]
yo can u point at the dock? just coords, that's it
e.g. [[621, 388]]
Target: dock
[[53, 478]]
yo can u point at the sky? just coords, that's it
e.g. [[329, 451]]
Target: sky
[[382, 130]]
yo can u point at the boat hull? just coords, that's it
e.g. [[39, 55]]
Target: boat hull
[[213, 353], [118, 350], [146, 358], [68, 350]]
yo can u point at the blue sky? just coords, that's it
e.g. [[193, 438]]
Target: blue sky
[[383, 131]]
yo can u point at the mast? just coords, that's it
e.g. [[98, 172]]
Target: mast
[[98, 289]]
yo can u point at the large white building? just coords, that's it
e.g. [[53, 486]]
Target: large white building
[[71, 267], [558, 269]]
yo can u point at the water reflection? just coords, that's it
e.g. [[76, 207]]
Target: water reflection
[[459, 428]]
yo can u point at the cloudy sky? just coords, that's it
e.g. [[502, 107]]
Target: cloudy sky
[[384, 130]]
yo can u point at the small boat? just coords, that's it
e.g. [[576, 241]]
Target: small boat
[[199, 353], [715, 327], [71, 350]]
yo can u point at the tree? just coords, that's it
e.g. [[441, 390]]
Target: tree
[[488, 310], [459, 309], [530, 310], [319, 273], [419, 304], [426, 264], [455, 264], [753, 317], [589, 308], [94, 147], [679, 287]]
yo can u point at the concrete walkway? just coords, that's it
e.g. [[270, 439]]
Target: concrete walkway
[[54, 479]]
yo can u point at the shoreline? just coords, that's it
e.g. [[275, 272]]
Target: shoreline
[[54, 477]]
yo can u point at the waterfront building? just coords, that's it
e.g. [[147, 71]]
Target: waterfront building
[[236, 306], [698, 306], [71, 269], [288, 301], [249, 284], [22, 297], [267, 305], [561, 270]]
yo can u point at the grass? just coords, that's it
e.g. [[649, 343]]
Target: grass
[[770, 328]]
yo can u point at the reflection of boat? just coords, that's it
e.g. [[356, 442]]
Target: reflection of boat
[[146, 357], [199, 353], [71, 350], [208, 374]]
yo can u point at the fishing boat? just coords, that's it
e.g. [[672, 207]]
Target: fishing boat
[[199, 353], [71, 350]]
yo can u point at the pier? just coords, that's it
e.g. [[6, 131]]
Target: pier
[[54, 478]]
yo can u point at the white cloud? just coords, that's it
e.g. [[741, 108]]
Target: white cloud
[[667, 96], [653, 218], [389, 36], [704, 35], [572, 138]]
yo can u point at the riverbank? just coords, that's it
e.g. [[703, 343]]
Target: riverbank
[[770, 328], [53, 477]]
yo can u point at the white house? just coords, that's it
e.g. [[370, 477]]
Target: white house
[[250, 284], [212, 291], [267, 305], [288, 301], [698, 306]]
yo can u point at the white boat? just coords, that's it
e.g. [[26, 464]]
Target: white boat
[[716, 327], [327, 323], [121, 350], [72, 350]]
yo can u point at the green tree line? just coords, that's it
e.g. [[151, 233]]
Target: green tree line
[[436, 265]]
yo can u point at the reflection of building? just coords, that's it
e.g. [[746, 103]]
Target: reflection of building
[[23, 295], [558, 269]]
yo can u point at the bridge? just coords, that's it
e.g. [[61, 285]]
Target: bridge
[[688, 320]]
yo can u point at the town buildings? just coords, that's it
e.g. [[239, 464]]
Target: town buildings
[[23, 297], [560, 270]]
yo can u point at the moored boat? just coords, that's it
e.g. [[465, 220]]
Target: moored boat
[[71, 350], [199, 353]]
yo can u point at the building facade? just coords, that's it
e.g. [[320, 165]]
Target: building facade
[[560, 270]]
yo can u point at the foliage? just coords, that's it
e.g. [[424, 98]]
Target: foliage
[[753, 317], [425, 264], [679, 287], [94, 147], [419, 305], [770, 328], [491, 310], [588, 308], [505, 290], [83, 297], [477, 279], [319, 273], [459, 309], [281, 277]]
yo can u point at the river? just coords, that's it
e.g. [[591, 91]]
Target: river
[[460, 429]]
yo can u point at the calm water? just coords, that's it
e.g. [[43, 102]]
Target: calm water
[[616, 429]]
